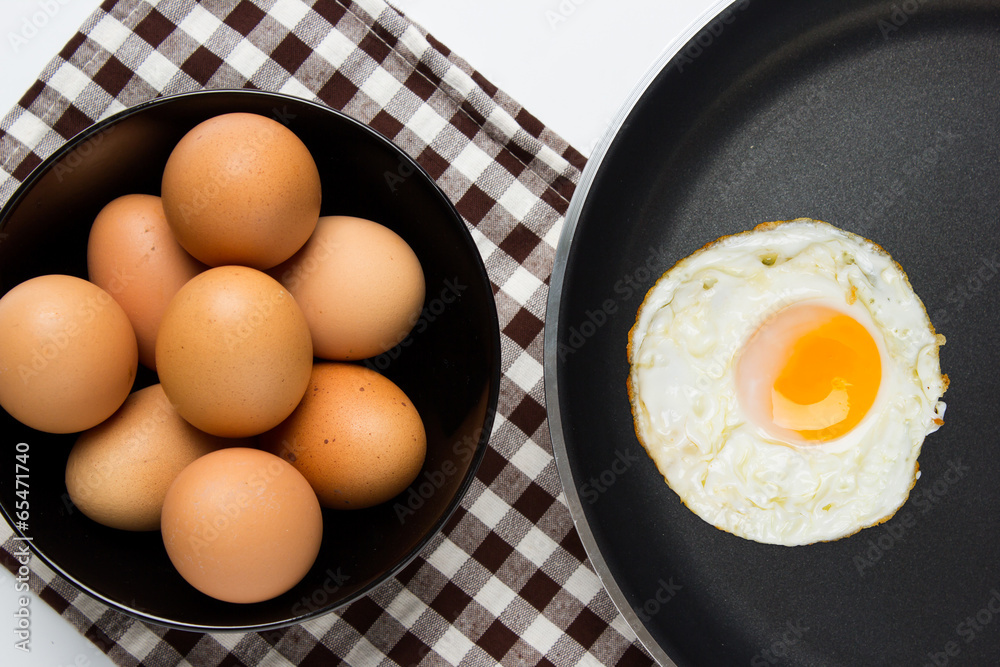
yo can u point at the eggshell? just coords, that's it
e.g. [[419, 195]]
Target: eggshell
[[241, 188], [241, 525], [360, 286], [68, 355], [119, 471], [233, 353], [356, 437], [133, 255]]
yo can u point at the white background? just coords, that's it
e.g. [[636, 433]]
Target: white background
[[571, 63]]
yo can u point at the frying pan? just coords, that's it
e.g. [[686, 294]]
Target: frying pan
[[880, 118]]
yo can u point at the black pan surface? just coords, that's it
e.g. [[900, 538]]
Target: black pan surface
[[882, 118]]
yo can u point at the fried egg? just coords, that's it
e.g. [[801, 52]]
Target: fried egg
[[783, 381]]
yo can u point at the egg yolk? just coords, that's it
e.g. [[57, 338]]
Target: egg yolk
[[810, 373]]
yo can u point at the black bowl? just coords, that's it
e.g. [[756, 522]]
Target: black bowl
[[449, 365]]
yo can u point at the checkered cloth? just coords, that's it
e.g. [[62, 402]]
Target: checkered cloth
[[507, 582]]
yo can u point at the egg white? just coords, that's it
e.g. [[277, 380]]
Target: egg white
[[683, 349]]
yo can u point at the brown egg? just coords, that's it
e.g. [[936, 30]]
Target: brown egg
[[119, 471], [133, 255], [233, 352], [241, 189], [241, 525], [356, 437], [68, 355], [360, 286]]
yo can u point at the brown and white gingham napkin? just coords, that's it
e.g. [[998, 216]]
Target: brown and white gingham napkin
[[508, 581]]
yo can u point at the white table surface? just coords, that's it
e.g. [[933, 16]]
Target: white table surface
[[571, 63]]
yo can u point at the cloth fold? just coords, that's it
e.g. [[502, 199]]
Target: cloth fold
[[507, 581]]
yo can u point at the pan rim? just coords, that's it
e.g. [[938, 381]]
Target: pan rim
[[551, 329]]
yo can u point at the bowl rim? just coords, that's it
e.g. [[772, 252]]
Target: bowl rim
[[492, 388]]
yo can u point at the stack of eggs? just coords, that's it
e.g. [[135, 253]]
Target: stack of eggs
[[253, 311]]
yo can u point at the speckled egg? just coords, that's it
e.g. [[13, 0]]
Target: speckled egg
[[356, 437], [132, 254]]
